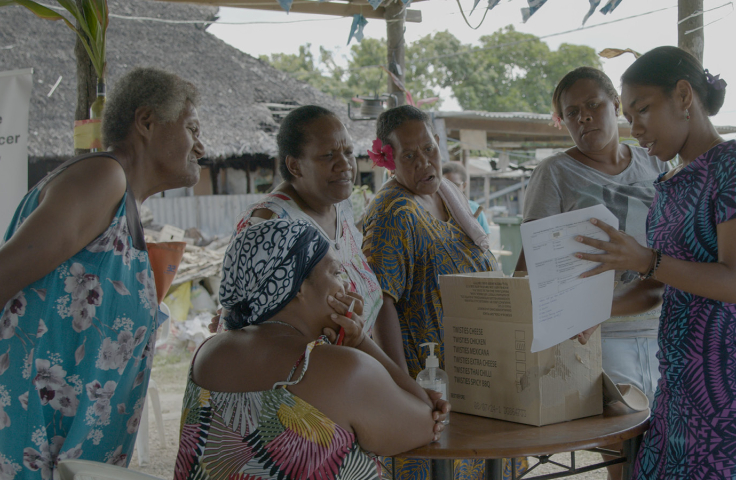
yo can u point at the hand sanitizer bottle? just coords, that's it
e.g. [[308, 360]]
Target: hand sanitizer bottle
[[432, 377]]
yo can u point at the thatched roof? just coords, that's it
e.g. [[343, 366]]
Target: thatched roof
[[235, 87]]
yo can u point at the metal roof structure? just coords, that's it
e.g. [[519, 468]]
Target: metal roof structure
[[522, 130]]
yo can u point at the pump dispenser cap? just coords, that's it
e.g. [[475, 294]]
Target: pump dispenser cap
[[432, 360]]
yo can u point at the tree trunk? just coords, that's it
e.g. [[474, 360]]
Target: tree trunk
[[693, 42], [395, 16], [86, 82]]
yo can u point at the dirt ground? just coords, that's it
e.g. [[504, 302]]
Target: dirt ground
[[170, 373]]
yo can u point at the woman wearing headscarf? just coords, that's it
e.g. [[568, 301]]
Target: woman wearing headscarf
[[79, 323], [270, 397], [418, 227], [317, 163]]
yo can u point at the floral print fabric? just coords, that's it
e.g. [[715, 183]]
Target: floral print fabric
[[75, 353], [408, 249], [692, 431], [267, 434]]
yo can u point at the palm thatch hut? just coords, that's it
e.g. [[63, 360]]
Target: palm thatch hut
[[242, 98]]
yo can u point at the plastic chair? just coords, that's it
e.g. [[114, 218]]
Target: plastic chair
[[86, 470], [141, 441]]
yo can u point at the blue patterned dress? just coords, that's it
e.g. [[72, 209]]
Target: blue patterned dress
[[408, 249], [693, 425], [76, 351]]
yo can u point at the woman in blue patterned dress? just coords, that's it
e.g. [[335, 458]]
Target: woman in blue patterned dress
[[691, 229], [79, 320], [417, 228]]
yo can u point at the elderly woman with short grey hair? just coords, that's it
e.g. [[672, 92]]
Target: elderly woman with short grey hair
[[79, 320]]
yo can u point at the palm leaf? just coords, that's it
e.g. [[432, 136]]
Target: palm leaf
[[38, 10], [93, 20]]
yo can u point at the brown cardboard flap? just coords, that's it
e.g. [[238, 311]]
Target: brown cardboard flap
[[486, 296]]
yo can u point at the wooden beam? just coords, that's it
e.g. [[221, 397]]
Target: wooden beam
[[395, 15], [693, 42], [339, 9]]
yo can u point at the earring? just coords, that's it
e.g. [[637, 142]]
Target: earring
[[687, 115]]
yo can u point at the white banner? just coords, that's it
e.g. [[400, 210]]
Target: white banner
[[15, 98]]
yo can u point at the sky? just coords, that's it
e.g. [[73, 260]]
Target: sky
[[642, 33]]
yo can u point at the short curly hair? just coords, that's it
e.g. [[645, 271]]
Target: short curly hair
[[393, 118], [583, 73], [165, 93], [292, 135]]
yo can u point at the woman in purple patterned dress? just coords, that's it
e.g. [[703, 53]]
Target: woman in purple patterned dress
[[691, 229]]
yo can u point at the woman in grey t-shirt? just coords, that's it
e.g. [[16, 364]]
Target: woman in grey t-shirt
[[600, 170]]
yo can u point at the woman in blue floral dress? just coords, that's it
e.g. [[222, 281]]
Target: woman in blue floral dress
[[691, 229], [79, 320]]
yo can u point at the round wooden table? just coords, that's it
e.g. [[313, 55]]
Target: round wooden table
[[473, 437]]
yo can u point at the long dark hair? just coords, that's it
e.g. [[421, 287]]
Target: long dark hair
[[665, 66]]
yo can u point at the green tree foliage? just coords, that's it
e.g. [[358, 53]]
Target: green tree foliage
[[508, 71]]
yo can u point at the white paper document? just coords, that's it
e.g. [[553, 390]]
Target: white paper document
[[563, 304]]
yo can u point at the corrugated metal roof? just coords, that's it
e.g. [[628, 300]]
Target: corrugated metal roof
[[520, 116], [535, 118]]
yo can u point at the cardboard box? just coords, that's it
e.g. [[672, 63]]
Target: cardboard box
[[492, 372]]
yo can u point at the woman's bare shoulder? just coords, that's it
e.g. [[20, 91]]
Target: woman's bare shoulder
[[243, 361], [343, 368], [93, 176]]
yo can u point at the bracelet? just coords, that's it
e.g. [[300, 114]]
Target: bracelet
[[656, 260]]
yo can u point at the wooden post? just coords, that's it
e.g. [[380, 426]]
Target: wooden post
[[694, 43], [86, 81], [395, 19], [465, 160]]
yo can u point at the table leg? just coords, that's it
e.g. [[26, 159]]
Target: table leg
[[630, 451], [443, 469], [494, 469]]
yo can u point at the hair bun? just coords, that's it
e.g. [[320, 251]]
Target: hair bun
[[716, 96], [237, 318]]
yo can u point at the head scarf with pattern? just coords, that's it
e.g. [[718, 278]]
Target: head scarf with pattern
[[264, 267]]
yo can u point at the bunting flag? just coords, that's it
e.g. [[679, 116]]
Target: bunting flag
[[375, 3], [356, 29], [491, 4], [475, 4], [534, 5], [593, 5], [286, 4], [610, 6]]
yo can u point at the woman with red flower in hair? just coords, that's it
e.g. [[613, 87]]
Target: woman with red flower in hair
[[418, 227]]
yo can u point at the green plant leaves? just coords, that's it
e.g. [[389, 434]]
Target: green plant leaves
[[92, 19]]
